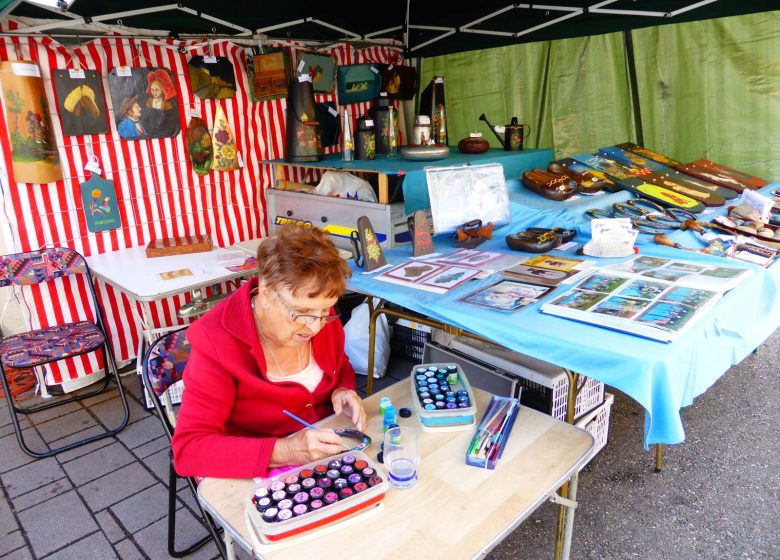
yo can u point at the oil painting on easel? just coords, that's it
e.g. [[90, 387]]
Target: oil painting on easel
[[33, 147], [81, 101]]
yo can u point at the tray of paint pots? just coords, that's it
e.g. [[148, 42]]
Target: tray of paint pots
[[265, 506], [435, 409]]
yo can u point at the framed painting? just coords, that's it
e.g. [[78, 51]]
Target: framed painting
[[81, 101], [321, 68], [145, 103], [269, 74], [212, 77], [358, 82]]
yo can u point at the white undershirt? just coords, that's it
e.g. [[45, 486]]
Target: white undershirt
[[309, 377]]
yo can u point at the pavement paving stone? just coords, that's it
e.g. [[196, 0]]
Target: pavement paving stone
[[8, 427], [150, 447], [11, 541], [153, 539], [110, 412], [141, 432], [97, 463], [128, 551], [70, 454], [7, 520], [109, 393], [116, 486], [54, 412], [109, 526], [142, 509], [159, 463], [12, 453], [47, 492], [54, 523], [19, 554], [30, 477], [65, 425], [94, 546]]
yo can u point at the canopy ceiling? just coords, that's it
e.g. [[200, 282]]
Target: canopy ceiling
[[434, 27]]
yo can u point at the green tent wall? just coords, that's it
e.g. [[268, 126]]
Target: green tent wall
[[705, 89]]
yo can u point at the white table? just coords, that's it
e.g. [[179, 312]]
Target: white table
[[454, 511]]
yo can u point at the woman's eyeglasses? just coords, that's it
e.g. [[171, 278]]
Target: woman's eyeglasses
[[302, 318]]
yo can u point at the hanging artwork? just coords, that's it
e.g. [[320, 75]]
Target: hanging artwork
[[81, 101], [358, 82], [269, 73], [400, 82], [225, 152], [321, 68], [212, 77], [33, 150], [200, 148], [145, 103], [330, 124], [100, 208]]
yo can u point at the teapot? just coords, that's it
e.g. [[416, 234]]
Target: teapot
[[514, 133]]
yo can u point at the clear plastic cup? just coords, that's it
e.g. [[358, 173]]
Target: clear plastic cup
[[401, 456]]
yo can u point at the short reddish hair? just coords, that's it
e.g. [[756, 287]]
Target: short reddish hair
[[302, 258]]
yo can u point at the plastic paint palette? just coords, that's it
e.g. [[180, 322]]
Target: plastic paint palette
[[316, 495], [444, 400]]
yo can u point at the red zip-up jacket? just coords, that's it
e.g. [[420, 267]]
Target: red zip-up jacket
[[231, 414]]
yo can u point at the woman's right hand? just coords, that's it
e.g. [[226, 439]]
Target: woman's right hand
[[305, 446]]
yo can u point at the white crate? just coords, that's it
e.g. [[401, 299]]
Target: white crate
[[545, 381], [596, 423]]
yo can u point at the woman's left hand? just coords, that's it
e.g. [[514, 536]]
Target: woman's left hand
[[347, 402]]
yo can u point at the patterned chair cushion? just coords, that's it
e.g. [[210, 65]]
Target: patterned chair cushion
[[167, 359], [49, 344], [40, 266]]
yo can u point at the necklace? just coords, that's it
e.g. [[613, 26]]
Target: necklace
[[268, 346]]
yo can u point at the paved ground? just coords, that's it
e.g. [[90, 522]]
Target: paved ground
[[716, 498]]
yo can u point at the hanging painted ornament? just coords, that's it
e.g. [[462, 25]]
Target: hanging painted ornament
[[34, 154], [200, 148], [225, 152]]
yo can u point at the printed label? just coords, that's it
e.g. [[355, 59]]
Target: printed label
[[76, 74], [209, 59], [26, 69], [124, 71]]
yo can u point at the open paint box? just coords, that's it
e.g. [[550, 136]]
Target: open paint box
[[315, 496], [442, 397]]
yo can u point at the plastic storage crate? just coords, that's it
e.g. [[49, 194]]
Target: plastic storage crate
[[596, 423], [409, 338], [545, 386]]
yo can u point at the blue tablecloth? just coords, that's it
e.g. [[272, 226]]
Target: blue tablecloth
[[415, 186], [663, 378]]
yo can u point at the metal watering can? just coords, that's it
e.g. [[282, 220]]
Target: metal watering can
[[514, 133]]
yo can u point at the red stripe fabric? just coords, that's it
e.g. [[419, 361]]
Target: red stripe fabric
[[158, 194]]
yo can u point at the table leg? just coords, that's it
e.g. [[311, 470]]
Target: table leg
[[373, 314], [569, 529], [659, 457], [229, 550], [384, 196]]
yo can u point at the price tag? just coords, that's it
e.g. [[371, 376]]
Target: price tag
[[209, 59], [499, 129], [304, 78], [124, 71], [369, 122], [333, 111], [301, 64], [26, 69], [390, 67], [374, 69], [76, 74], [382, 94], [475, 135], [438, 80]]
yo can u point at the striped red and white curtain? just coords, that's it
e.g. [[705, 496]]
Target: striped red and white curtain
[[158, 193]]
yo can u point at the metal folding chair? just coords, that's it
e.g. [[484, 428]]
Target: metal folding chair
[[46, 345], [163, 366]]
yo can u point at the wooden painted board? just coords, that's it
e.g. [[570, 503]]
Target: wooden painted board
[[722, 175], [706, 197], [612, 168], [178, 246], [422, 241], [661, 195], [627, 157], [34, 155], [200, 148], [642, 151], [373, 256], [81, 101]]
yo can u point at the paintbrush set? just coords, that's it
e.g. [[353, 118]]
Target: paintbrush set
[[491, 434]]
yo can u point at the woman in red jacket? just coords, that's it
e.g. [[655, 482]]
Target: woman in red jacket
[[275, 344]]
